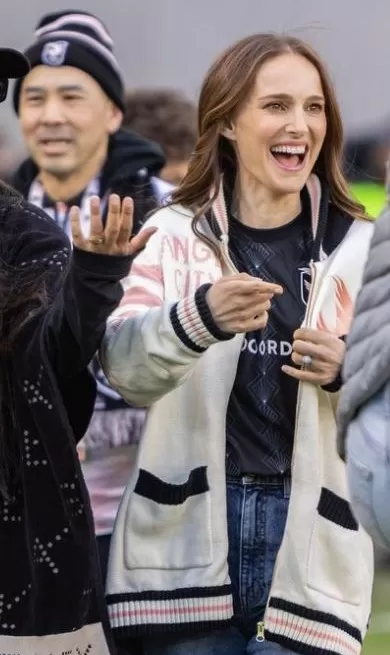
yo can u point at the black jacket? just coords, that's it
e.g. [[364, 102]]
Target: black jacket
[[129, 169], [49, 581], [130, 166]]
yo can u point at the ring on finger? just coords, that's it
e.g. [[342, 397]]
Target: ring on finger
[[96, 241], [307, 360]]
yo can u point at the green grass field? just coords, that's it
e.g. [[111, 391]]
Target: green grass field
[[378, 639]]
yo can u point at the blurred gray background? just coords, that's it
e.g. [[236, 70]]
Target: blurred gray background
[[172, 42]]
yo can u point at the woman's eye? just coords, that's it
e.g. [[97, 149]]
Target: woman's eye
[[275, 106]]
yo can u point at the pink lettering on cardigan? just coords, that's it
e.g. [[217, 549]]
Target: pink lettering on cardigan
[[185, 249]]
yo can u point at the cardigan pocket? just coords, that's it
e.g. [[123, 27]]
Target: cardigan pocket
[[169, 525], [335, 559]]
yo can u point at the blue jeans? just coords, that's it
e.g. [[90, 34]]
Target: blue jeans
[[257, 512], [368, 466]]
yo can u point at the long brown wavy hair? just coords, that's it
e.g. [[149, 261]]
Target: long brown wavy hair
[[227, 85]]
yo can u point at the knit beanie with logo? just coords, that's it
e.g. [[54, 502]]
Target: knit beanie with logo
[[78, 39]]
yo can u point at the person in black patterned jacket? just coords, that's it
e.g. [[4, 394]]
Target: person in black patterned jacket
[[54, 305], [70, 108]]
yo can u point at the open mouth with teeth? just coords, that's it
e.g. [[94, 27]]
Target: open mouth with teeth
[[290, 158], [48, 142]]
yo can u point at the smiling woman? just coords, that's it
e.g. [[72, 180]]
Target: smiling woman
[[240, 376], [284, 116]]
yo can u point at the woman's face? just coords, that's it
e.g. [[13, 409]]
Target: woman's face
[[279, 132]]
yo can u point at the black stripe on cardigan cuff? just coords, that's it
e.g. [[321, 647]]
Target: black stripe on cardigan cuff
[[181, 333], [335, 386], [206, 315]]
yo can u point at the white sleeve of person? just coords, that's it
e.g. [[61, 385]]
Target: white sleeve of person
[[152, 343]]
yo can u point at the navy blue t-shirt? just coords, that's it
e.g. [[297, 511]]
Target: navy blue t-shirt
[[262, 407]]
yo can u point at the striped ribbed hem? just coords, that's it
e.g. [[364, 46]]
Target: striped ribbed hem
[[307, 631], [191, 324], [170, 611]]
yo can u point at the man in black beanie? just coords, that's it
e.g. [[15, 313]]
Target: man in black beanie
[[70, 108]]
